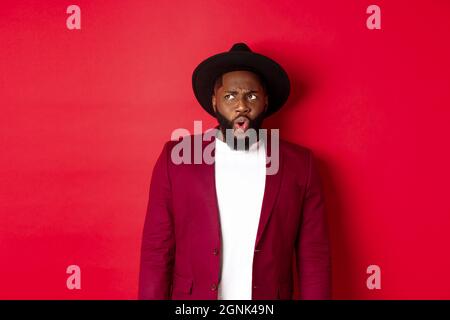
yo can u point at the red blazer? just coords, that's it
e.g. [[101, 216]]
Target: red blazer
[[181, 247]]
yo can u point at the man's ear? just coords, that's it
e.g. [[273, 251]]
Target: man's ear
[[213, 102]]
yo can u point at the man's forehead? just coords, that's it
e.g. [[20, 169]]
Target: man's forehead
[[241, 80], [240, 75]]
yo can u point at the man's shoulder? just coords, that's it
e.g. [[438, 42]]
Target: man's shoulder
[[297, 158], [291, 149], [186, 149], [189, 139]]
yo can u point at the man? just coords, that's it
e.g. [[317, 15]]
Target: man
[[230, 230]]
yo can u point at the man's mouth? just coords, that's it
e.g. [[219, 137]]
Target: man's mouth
[[241, 124]]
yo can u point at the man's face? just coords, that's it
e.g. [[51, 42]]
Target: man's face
[[240, 102]]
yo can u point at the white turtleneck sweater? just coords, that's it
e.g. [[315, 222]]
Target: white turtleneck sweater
[[240, 178]]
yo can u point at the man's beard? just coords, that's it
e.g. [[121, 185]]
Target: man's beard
[[226, 124]]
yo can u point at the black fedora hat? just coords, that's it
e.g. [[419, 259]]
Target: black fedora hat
[[240, 57]]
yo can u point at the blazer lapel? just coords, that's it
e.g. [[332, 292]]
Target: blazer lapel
[[271, 190], [208, 176]]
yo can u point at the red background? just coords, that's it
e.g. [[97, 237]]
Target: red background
[[84, 115]]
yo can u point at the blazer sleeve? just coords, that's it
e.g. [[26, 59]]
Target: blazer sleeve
[[158, 239], [313, 257]]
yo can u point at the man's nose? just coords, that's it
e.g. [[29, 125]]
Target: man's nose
[[242, 106]]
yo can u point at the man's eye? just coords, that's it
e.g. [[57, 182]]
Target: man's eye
[[252, 96], [229, 97]]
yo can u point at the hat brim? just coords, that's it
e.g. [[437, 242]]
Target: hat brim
[[276, 79]]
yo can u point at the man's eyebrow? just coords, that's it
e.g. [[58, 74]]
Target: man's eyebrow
[[247, 91]]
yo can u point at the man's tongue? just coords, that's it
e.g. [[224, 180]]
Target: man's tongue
[[241, 124]]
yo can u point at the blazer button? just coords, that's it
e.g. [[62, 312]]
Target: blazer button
[[215, 251], [213, 287]]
